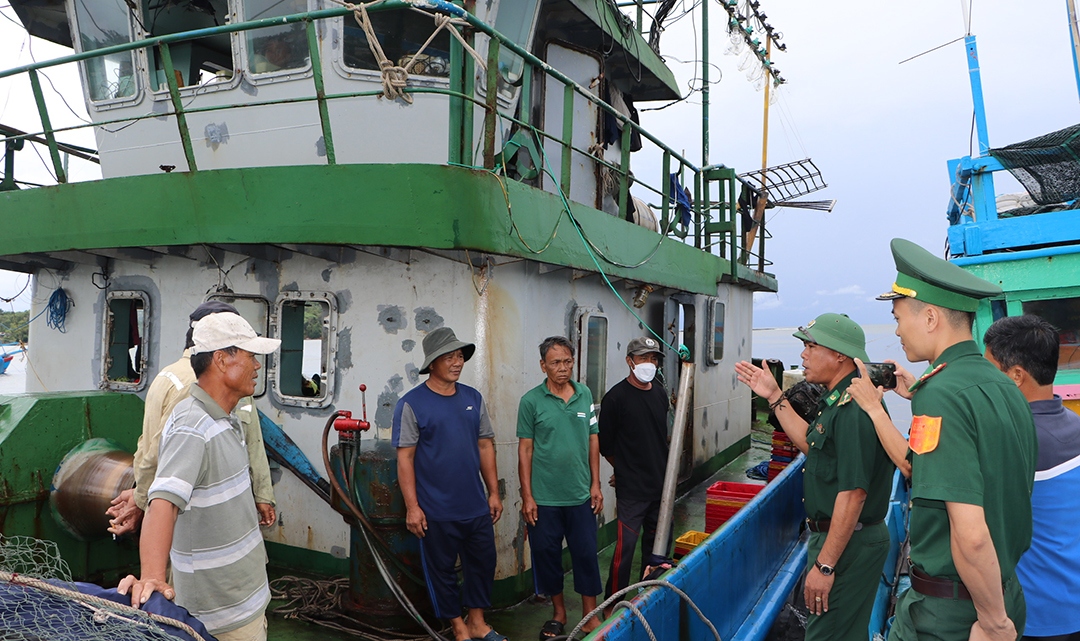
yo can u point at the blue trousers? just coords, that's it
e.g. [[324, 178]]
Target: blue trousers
[[577, 524], [472, 541]]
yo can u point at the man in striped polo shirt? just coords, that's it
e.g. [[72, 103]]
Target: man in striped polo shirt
[[201, 515]]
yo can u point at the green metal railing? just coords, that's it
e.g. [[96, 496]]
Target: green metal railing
[[712, 228]]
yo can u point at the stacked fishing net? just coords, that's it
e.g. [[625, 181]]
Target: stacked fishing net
[[1046, 166], [39, 601]]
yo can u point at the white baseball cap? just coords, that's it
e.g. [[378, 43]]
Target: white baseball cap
[[224, 329]]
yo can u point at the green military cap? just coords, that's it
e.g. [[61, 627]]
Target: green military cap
[[837, 332], [923, 276]]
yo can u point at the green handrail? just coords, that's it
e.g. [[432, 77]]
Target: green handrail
[[461, 92]]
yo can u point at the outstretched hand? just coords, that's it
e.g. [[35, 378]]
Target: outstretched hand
[[758, 380]]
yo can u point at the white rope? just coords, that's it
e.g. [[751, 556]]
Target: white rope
[[395, 78], [109, 607]]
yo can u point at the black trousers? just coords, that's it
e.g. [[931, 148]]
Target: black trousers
[[637, 520]]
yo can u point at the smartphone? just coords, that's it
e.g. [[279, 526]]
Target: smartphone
[[882, 374]]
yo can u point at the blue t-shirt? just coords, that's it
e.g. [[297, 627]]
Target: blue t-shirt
[[445, 430], [1050, 570]]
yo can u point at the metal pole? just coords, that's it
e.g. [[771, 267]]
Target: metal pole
[[705, 84], [1074, 37], [671, 476], [982, 183]]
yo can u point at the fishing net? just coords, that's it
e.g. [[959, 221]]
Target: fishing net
[[1048, 166], [40, 602]]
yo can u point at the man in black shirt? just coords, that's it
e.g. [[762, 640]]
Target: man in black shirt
[[634, 439]]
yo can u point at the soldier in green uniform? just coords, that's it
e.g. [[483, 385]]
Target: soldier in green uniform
[[971, 458], [846, 483]]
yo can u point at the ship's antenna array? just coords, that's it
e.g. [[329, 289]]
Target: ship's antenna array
[[752, 36]]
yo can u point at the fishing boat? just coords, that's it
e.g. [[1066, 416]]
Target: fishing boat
[[351, 178], [1028, 243], [8, 352]]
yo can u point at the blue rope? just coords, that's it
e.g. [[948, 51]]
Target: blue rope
[[59, 303]]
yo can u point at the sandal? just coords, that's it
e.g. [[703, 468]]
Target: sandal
[[551, 630]]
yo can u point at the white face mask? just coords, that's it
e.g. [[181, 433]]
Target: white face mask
[[644, 372]]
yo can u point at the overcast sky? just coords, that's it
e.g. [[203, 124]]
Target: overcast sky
[[881, 132]]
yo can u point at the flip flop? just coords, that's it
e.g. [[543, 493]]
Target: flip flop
[[492, 635], [551, 630]]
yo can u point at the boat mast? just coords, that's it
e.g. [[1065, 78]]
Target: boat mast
[[705, 84], [1074, 37], [982, 182]]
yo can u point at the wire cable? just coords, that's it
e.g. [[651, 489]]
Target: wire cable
[[58, 307]]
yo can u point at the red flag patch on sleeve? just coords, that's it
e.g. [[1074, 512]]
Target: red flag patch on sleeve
[[925, 433]]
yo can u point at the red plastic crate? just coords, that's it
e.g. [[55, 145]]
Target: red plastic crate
[[724, 498]]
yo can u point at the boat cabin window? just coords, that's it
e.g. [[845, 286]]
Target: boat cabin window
[[195, 62], [125, 350], [688, 328], [716, 338], [104, 24], [401, 33], [280, 48], [256, 311], [514, 20], [592, 353], [306, 323], [1063, 313]]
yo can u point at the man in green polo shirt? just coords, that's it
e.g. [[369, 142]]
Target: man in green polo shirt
[[559, 469], [972, 452], [846, 483]]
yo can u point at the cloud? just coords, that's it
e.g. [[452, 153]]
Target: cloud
[[850, 290], [766, 300]]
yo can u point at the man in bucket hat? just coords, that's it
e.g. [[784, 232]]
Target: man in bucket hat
[[971, 456], [846, 483], [201, 513], [445, 445]]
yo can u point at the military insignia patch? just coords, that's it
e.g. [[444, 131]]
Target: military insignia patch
[[925, 433], [845, 399], [925, 377], [820, 428]]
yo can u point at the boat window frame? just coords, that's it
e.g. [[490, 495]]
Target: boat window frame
[[275, 369], [241, 53], [108, 323], [188, 91], [710, 347], [374, 75], [262, 329], [138, 62], [583, 344], [1014, 305]]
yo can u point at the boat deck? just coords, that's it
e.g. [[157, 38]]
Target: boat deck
[[524, 620]]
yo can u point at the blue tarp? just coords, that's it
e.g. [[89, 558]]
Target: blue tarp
[[63, 613]]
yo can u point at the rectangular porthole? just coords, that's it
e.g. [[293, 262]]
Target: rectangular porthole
[[716, 337], [256, 311], [306, 323], [592, 352], [125, 345]]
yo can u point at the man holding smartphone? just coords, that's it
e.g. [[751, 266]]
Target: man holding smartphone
[[971, 457], [846, 483]]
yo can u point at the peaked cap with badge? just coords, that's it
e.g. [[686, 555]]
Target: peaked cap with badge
[[923, 276]]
